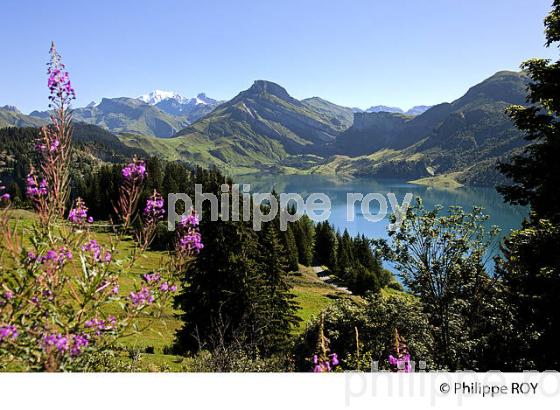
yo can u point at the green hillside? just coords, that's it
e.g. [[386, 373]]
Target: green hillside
[[11, 117], [127, 115], [462, 140], [264, 129], [148, 349]]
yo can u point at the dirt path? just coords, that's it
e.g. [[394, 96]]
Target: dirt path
[[328, 279]]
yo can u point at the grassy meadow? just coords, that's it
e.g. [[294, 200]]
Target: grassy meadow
[[148, 348]]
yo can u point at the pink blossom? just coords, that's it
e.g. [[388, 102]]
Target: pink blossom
[[9, 331], [154, 212], [135, 171], [142, 297]]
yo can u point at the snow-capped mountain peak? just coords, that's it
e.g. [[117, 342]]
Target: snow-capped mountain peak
[[157, 96]]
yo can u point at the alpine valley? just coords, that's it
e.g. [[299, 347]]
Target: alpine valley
[[265, 130]]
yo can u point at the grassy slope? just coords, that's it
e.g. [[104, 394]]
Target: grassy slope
[[310, 293], [10, 118], [441, 181]]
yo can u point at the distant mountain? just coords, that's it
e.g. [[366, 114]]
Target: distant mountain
[[262, 126], [384, 108], [157, 96], [265, 129], [10, 116], [466, 137], [174, 104], [418, 109], [370, 132], [129, 115], [339, 117]]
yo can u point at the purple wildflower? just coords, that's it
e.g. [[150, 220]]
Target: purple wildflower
[[80, 341], [60, 342], [4, 197], [334, 359], [8, 331], [151, 277], [79, 214], [135, 171], [402, 360], [47, 294], [35, 189], [100, 325], [402, 363], [52, 257], [192, 241], [325, 364], [189, 221], [95, 249], [142, 297], [189, 234], [166, 287], [59, 83], [154, 212]]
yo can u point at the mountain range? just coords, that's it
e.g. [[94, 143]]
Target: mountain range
[[174, 104], [264, 128], [416, 110]]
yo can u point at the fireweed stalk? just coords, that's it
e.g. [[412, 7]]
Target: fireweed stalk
[[323, 361], [54, 142], [153, 212], [188, 241], [400, 362], [129, 192], [54, 293]]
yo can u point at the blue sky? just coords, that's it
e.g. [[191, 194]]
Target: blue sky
[[354, 53]]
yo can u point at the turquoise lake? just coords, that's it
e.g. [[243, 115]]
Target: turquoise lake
[[505, 216]]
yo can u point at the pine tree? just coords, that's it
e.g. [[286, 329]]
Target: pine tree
[[218, 297], [531, 263], [289, 242], [325, 246], [155, 175], [237, 292], [304, 234], [345, 258], [277, 306]]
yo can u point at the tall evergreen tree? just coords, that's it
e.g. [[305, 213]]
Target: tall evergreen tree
[[237, 291], [278, 307], [304, 233], [289, 242], [218, 298], [531, 263], [345, 259], [325, 246]]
